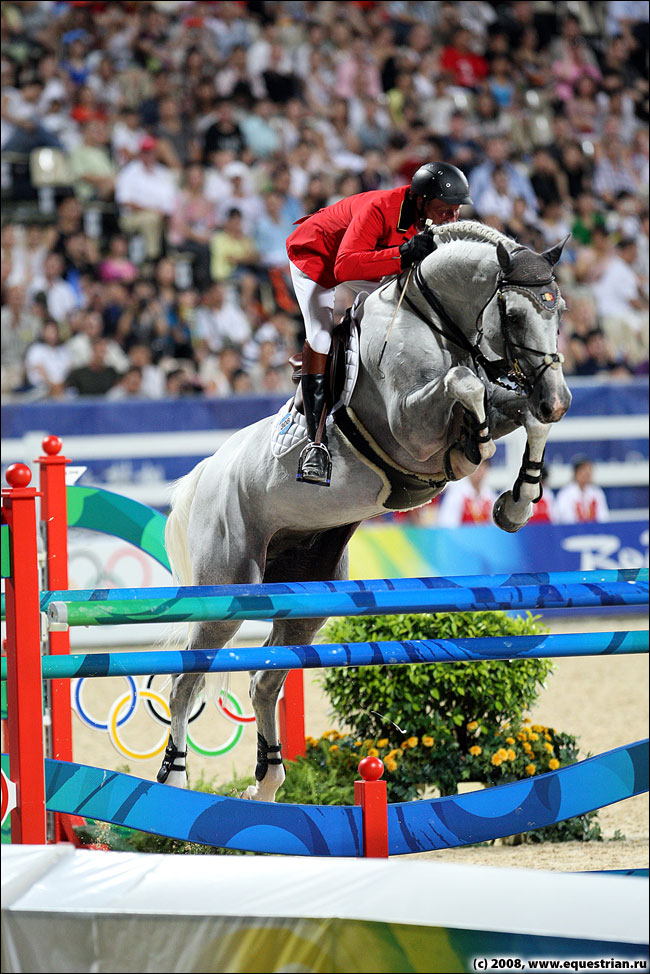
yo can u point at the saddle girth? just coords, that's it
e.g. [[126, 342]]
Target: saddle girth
[[407, 490]]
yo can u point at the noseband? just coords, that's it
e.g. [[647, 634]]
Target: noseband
[[505, 372]]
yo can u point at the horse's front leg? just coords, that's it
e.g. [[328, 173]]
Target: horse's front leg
[[514, 508], [476, 444]]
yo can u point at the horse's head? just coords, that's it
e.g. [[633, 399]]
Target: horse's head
[[522, 323]]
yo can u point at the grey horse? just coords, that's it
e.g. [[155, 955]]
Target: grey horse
[[471, 355]]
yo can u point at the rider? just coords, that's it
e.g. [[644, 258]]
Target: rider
[[357, 241]]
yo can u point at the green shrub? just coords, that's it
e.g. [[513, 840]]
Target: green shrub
[[435, 700]]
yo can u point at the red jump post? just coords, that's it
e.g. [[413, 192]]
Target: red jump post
[[371, 794], [24, 680]]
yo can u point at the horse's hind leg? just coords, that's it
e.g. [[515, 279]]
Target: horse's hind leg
[[325, 558], [185, 689]]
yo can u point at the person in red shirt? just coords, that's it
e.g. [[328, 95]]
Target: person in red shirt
[[358, 241]]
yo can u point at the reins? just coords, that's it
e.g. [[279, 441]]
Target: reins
[[505, 372]]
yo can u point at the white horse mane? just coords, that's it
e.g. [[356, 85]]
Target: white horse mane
[[470, 231]]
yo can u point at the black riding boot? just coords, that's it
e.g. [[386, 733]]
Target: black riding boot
[[315, 464]]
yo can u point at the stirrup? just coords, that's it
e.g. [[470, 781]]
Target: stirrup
[[315, 465]]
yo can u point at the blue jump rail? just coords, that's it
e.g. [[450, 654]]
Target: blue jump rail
[[327, 655], [333, 830]]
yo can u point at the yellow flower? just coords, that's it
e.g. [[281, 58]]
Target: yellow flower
[[334, 747], [511, 754], [510, 740], [533, 736], [526, 720], [522, 736], [473, 724], [390, 764], [548, 747], [373, 752], [538, 728], [530, 769], [496, 760], [311, 741], [476, 750], [503, 754], [554, 764], [428, 741], [358, 743], [411, 742], [527, 748], [383, 742], [547, 736]]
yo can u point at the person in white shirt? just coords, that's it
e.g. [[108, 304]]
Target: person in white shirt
[[621, 303], [145, 192], [47, 362], [467, 501], [220, 321], [61, 297], [580, 501]]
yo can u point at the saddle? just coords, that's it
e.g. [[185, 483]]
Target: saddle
[[335, 370]]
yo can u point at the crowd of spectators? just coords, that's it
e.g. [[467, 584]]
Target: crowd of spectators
[[155, 156]]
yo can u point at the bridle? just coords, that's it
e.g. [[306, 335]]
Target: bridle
[[505, 372]]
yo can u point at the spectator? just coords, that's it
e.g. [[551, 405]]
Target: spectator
[[621, 304], [19, 329], [192, 223], [46, 362], [60, 296], [220, 321], [22, 128], [497, 155], [128, 386], [271, 232], [581, 501], [145, 191], [95, 378], [467, 67], [468, 501], [116, 266], [152, 385], [231, 250], [613, 174]]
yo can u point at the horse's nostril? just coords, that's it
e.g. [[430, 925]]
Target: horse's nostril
[[546, 410]]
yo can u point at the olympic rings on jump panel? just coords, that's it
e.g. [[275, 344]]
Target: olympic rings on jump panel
[[235, 718], [119, 746], [232, 741], [123, 709], [197, 710], [86, 718]]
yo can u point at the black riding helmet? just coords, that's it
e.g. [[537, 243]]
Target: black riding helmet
[[442, 181]]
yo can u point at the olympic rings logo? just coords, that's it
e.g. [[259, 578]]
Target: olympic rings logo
[[124, 708]]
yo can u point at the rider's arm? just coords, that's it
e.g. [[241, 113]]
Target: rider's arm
[[358, 258]]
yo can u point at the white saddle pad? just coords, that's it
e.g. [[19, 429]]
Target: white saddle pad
[[290, 426]]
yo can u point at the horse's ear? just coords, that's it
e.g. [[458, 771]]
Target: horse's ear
[[504, 258], [553, 254]]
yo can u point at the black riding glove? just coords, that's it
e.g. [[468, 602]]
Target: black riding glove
[[416, 249]]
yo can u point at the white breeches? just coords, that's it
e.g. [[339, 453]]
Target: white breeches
[[317, 306]]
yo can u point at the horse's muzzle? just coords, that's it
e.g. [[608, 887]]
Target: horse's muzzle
[[551, 407]]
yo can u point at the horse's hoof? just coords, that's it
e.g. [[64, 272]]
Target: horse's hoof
[[487, 450], [501, 517], [177, 779]]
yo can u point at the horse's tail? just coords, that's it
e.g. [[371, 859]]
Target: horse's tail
[[178, 522]]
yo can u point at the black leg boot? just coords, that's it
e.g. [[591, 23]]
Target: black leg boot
[[315, 464]]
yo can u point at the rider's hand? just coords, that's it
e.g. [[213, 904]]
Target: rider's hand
[[416, 249]]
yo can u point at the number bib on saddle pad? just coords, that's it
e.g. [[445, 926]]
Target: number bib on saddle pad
[[290, 427]]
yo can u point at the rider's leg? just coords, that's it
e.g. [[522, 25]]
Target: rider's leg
[[317, 307]]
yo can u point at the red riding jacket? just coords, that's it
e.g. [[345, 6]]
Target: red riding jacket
[[356, 239]]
